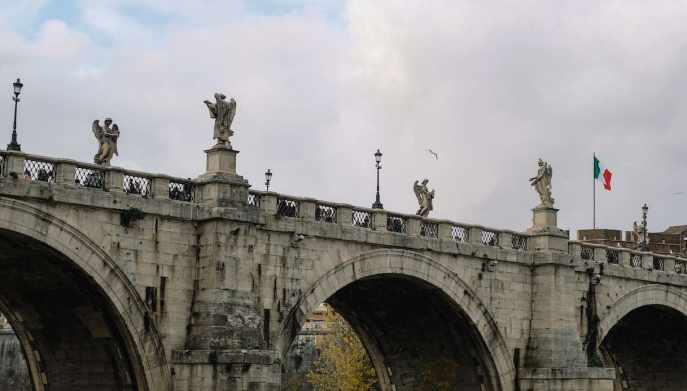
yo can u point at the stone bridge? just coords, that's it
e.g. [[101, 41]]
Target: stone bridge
[[122, 280]]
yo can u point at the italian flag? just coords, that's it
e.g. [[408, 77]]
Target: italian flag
[[602, 174]]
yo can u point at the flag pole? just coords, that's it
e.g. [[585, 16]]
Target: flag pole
[[594, 192]]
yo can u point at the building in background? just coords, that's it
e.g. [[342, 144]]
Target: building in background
[[673, 240], [303, 351]]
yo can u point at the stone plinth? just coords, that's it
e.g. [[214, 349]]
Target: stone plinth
[[220, 185], [544, 217], [221, 159], [545, 234]]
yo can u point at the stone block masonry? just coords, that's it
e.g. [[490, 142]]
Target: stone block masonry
[[207, 290]]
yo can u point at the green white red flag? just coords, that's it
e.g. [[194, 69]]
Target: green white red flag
[[602, 174]]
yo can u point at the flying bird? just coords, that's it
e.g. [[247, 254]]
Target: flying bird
[[436, 156]]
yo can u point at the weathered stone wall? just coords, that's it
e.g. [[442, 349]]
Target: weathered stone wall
[[208, 295]]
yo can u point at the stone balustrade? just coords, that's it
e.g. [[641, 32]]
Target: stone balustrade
[[92, 177], [323, 212], [627, 257]]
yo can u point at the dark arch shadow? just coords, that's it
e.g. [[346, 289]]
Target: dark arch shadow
[[648, 349], [409, 310], [81, 322]]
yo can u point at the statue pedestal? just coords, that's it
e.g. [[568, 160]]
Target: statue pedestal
[[545, 234], [220, 185], [221, 159], [544, 217]]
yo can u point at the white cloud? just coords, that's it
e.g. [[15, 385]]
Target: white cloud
[[490, 88]]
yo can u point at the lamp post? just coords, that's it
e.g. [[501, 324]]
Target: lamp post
[[378, 160], [14, 145], [268, 179], [645, 232]]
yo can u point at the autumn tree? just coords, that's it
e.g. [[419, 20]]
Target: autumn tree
[[343, 363]]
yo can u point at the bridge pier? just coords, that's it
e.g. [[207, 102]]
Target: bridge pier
[[555, 358], [226, 345]]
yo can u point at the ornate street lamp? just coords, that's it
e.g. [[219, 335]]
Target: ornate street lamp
[[645, 232], [268, 179], [14, 145], [378, 160]]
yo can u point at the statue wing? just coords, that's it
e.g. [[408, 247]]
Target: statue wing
[[97, 130], [212, 108], [417, 189], [115, 136], [232, 111]]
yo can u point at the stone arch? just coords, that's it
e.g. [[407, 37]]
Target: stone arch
[[646, 295], [642, 337], [421, 267], [141, 338]]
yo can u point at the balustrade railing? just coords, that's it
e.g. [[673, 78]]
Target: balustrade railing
[[635, 260], [659, 263], [627, 257], [397, 223], [680, 266], [39, 170], [587, 253], [138, 185], [361, 218], [519, 242], [489, 238], [325, 213], [287, 207], [460, 233], [89, 177], [429, 230], [254, 200], [612, 256], [182, 191]]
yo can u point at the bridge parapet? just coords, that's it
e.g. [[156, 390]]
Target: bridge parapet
[[73, 173], [90, 177], [308, 209], [625, 257]]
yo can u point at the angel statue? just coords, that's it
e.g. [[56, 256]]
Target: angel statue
[[107, 137], [424, 197], [223, 112], [542, 183]]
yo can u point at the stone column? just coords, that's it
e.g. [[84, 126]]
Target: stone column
[[379, 220], [344, 215], [160, 187], [413, 225], [64, 173], [114, 179], [15, 163]]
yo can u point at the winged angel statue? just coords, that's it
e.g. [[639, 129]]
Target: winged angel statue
[[424, 198], [223, 112], [542, 183], [107, 136]]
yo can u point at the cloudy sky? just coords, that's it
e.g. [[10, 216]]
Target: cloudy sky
[[321, 84]]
